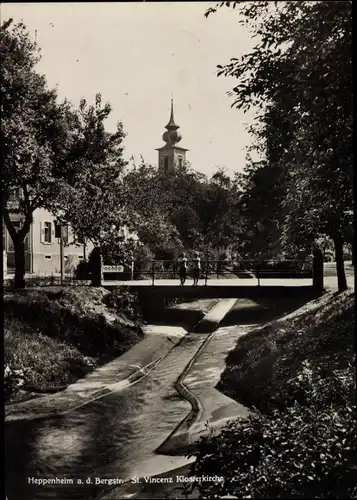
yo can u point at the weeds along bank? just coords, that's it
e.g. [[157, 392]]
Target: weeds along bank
[[53, 336], [298, 375], [319, 335]]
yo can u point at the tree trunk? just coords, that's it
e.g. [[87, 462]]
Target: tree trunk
[[19, 247], [340, 266], [18, 239]]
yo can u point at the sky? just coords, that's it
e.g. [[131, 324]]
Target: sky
[[139, 54]]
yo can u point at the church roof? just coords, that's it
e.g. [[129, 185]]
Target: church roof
[[171, 146], [172, 125]]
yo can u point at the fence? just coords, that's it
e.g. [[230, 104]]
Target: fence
[[51, 279], [217, 269], [154, 270]]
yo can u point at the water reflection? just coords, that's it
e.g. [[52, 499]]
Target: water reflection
[[64, 445], [110, 437]]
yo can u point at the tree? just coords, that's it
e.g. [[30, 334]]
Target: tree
[[217, 209], [167, 200], [149, 199], [33, 126], [320, 157], [260, 210], [158, 234], [54, 156], [299, 76], [90, 193]]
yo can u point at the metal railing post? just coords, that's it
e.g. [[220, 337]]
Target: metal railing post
[[218, 269], [206, 276], [153, 273]]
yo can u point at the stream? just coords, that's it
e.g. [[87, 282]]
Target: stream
[[111, 438]]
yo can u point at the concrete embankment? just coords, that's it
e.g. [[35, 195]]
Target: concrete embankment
[[118, 374], [197, 384], [104, 380]]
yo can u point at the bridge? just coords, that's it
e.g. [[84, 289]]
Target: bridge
[[159, 279]]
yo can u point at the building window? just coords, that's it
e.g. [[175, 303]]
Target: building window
[[47, 232], [180, 161], [166, 163]]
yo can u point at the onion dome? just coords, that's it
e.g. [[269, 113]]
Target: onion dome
[[172, 136]]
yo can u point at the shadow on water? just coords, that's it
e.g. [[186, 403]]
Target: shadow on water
[[108, 438], [172, 314], [186, 318], [261, 310]]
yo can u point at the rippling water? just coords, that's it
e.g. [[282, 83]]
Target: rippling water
[[111, 437]]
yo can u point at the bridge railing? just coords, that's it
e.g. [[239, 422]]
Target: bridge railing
[[214, 269]]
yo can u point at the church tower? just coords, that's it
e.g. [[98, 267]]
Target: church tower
[[171, 155]]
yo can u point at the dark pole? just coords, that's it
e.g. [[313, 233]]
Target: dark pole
[[318, 271], [61, 255]]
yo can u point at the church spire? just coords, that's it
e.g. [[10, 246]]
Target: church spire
[[172, 136], [172, 125], [171, 155]]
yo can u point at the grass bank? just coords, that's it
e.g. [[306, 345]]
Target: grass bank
[[298, 376], [320, 334], [53, 336]]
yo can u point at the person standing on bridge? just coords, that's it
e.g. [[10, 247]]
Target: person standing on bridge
[[183, 268], [196, 268]]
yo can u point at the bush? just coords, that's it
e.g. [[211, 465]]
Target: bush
[[143, 258], [53, 337], [82, 271], [307, 450], [329, 256], [13, 381], [124, 302], [347, 253], [263, 360], [37, 362], [115, 252]]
